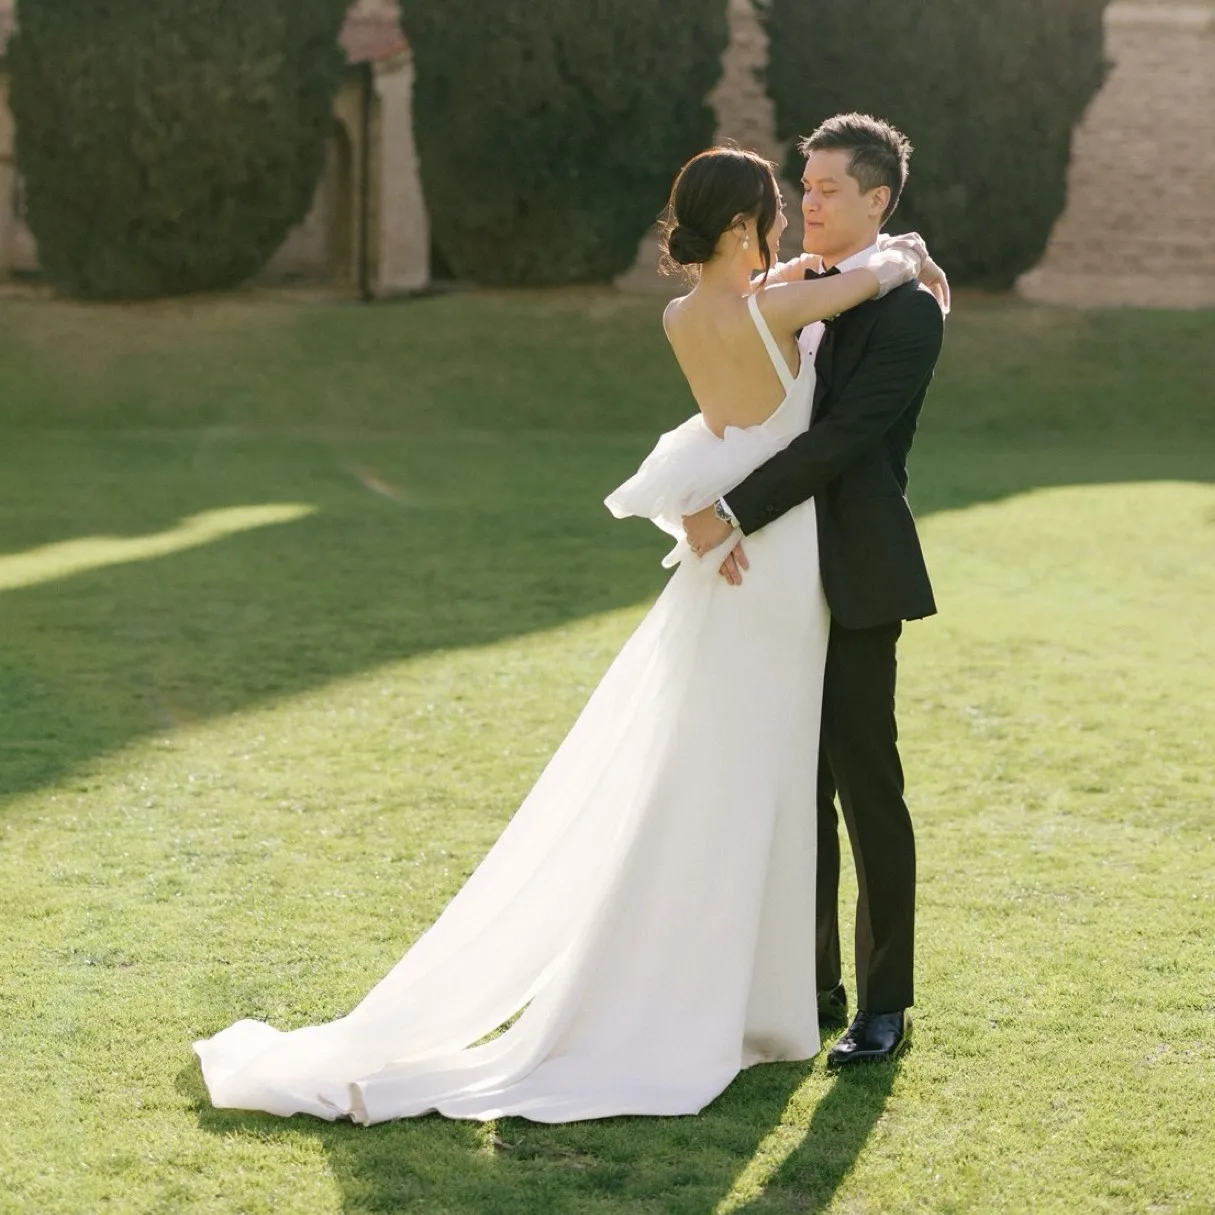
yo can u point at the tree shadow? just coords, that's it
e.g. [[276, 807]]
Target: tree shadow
[[685, 1166], [411, 546]]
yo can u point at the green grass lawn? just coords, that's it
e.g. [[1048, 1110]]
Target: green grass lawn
[[295, 601]]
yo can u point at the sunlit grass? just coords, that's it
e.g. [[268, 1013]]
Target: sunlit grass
[[238, 775], [67, 557]]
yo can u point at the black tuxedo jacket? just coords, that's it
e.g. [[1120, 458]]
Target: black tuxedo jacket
[[874, 367]]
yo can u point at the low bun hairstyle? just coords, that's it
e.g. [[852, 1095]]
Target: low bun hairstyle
[[687, 247], [710, 192]]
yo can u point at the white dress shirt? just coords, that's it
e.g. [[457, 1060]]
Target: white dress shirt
[[811, 337]]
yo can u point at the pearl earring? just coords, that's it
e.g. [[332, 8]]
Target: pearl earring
[[746, 242]]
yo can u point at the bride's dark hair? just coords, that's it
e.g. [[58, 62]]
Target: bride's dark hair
[[710, 192]]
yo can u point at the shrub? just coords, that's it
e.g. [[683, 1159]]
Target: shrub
[[549, 132], [168, 147], [989, 94]]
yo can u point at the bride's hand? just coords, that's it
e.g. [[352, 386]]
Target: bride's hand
[[933, 277], [732, 567], [930, 274], [704, 531], [898, 260]]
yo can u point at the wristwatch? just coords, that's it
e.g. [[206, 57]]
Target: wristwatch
[[722, 511]]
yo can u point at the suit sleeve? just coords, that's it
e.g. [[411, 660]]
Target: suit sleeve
[[898, 363]]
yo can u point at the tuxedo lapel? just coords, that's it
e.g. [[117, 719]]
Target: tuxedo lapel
[[824, 363], [838, 353]]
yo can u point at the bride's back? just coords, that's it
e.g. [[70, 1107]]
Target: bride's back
[[723, 358]]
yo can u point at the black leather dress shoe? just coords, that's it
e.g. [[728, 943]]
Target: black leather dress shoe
[[833, 1007], [871, 1037]]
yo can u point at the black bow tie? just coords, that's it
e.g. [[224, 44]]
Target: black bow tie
[[827, 324]]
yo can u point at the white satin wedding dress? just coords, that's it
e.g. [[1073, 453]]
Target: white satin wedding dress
[[650, 907]]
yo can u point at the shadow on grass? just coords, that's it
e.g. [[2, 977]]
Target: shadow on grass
[[409, 547], [413, 545], [672, 1166], [842, 1123]]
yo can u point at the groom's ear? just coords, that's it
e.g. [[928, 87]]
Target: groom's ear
[[878, 199]]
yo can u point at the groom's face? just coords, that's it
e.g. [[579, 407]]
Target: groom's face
[[838, 218]]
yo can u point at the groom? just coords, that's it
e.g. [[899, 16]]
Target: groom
[[874, 364]]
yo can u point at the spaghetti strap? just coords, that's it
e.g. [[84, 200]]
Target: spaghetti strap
[[787, 378]]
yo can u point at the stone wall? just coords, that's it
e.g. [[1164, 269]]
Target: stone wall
[[7, 178], [1141, 189], [324, 246], [1138, 228], [403, 251], [18, 249], [7, 167], [745, 115], [327, 245]]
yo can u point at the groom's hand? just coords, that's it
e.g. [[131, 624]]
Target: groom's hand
[[705, 530]]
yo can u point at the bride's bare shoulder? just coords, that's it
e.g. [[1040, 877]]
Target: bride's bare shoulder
[[671, 312]]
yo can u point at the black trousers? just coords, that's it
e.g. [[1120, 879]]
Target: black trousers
[[859, 761]]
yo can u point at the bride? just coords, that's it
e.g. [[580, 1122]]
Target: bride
[[645, 922]]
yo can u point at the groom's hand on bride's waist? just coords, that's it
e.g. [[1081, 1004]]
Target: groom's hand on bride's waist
[[705, 531]]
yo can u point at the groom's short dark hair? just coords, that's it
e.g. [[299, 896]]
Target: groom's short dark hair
[[880, 152]]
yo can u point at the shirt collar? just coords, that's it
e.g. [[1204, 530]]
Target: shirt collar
[[857, 260]]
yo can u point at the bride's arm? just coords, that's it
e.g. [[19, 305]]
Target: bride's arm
[[788, 272], [787, 307]]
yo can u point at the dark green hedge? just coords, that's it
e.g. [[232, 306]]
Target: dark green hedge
[[549, 130], [989, 92], [168, 145]]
